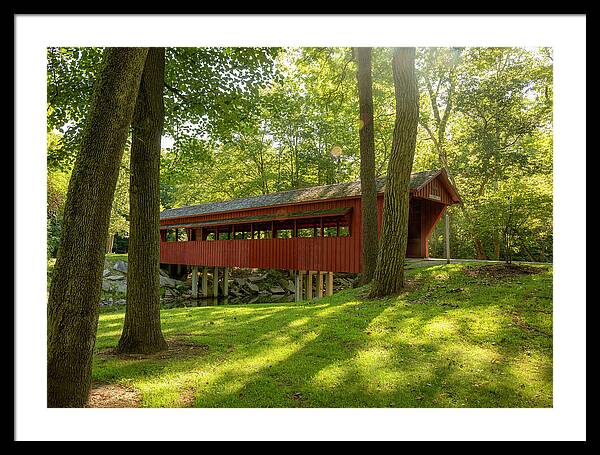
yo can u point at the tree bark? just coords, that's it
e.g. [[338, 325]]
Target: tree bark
[[141, 330], [367, 165], [74, 296], [389, 272]]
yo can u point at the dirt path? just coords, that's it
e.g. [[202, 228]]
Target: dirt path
[[113, 396]]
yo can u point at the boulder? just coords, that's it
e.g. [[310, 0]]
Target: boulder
[[252, 287], [255, 279], [114, 286], [163, 273], [121, 287], [114, 277], [169, 282], [105, 272], [121, 266], [290, 286], [277, 290], [170, 293], [240, 281]]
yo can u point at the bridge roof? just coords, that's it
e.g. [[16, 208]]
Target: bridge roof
[[313, 193]]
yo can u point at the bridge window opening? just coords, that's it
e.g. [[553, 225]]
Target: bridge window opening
[[330, 232], [194, 234], [322, 226], [171, 235], [209, 234], [262, 230], [308, 227], [182, 235], [306, 232], [284, 234]]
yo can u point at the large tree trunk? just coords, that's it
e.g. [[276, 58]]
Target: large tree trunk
[[389, 273], [141, 331], [367, 165], [74, 296]]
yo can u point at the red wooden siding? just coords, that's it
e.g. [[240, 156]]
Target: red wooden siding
[[335, 254], [431, 212], [434, 190], [423, 215], [413, 244]]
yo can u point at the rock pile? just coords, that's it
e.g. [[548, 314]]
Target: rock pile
[[245, 286], [114, 284]]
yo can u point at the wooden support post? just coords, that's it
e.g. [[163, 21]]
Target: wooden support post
[[299, 285], [329, 283], [296, 286], [195, 280], [216, 282], [309, 285], [226, 282], [447, 235], [320, 284], [205, 282]]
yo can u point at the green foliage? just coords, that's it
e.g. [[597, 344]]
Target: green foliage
[[57, 186], [249, 121], [71, 73], [487, 113], [58, 183], [208, 92], [119, 215], [514, 221], [517, 216]]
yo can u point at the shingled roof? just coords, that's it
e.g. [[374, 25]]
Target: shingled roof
[[313, 193]]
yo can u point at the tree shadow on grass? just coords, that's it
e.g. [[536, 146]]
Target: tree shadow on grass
[[239, 350], [430, 352]]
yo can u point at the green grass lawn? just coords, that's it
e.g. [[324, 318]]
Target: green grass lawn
[[453, 340]]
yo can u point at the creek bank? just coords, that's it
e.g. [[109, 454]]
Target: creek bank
[[245, 286]]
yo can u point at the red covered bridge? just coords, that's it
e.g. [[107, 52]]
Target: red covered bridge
[[308, 229]]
